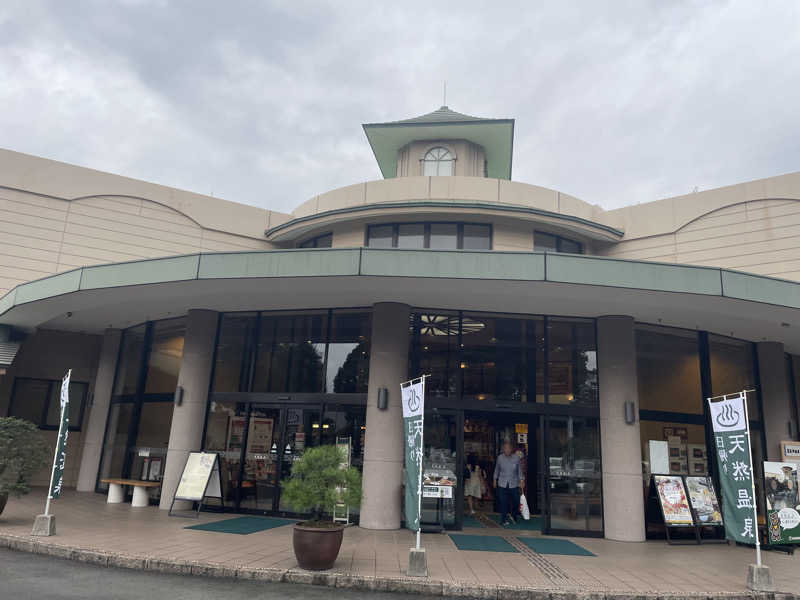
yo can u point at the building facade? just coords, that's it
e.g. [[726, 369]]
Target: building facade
[[576, 333]]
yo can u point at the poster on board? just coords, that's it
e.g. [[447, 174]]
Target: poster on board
[[704, 500], [200, 477], [673, 499], [783, 502]]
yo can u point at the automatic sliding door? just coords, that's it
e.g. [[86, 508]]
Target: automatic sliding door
[[260, 486], [572, 463]]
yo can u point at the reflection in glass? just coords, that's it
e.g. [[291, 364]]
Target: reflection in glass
[[380, 236], [733, 370], [291, 353], [166, 352], [347, 368], [477, 237], [572, 362], [437, 161], [668, 369], [225, 429], [260, 484], [435, 352], [501, 358], [130, 360], [148, 454], [301, 433], [439, 469], [234, 332], [572, 452], [120, 416], [411, 235], [444, 236]]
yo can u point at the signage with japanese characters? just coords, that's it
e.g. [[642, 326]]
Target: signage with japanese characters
[[732, 451], [57, 476], [413, 398], [673, 499], [783, 503]]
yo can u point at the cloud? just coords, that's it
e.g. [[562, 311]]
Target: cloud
[[615, 102]]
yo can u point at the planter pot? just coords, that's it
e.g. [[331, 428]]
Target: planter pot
[[3, 500], [315, 548]]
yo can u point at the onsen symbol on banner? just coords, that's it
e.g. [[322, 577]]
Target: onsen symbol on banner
[[413, 401], [728, 417]]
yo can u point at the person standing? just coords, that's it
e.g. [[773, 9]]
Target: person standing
[[508, 482]]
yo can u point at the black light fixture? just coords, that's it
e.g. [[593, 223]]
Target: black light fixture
[[179, 395], [383, 398], [630, 412]]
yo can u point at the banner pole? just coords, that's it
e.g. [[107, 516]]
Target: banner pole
[[55, 457], [752, 480], [422, 447]]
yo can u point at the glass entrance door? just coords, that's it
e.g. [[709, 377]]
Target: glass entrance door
[[574, 477], [259, 483]]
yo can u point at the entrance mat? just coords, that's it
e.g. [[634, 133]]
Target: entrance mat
[[242, 525], [532, 524], [484, 543], [470, 521], [554, 546]]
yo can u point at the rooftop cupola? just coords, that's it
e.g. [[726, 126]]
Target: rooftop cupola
[[443, 142]]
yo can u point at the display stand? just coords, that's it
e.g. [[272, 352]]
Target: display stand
[[655, 512], [200, 479]]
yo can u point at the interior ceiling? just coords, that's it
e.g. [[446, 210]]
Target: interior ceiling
[[95, 310]]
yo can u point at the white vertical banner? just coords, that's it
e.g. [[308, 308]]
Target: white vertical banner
[[413, 398]]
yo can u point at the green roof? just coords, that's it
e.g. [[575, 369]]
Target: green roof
[[495, 135]]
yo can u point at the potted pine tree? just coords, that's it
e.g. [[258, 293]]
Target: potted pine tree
[[23, 453], [319, 481]]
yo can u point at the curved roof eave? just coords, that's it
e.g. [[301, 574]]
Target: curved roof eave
[[601, 231], [114, 295]]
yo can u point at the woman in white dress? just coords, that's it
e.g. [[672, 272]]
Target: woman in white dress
[[473, 484]]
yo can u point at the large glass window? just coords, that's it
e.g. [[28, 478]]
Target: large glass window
[[550, 242], [571, 362], [572, 451], [733, 370], [225, 431], [308, 352], [291, 353], [502, 358], [130, 361], [164, 360], [438, 161], [484, 357], [436, 236], [38, 401], [321, 241]]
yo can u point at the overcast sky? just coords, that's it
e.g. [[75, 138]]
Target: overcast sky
[[262, 103]]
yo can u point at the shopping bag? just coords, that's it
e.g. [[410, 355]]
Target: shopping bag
[[523, 507]]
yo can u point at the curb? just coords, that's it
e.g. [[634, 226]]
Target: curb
[[407, 585]]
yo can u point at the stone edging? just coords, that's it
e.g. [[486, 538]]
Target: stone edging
[[406, 585]]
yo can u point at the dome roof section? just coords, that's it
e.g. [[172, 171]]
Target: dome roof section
[[496, 136]]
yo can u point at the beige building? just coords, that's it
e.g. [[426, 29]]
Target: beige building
[[540, 317]]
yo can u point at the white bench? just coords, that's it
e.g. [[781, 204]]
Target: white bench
[[116, 494]]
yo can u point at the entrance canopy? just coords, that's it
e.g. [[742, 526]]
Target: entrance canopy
[[119, 295]]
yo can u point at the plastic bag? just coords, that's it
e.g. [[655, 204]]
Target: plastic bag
[[523, 508]]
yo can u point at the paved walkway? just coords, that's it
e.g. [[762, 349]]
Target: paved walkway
[[147, 538]]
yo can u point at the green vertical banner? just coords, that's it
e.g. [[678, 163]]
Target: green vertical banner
[[734, 464], [413, 395], [57, 478]]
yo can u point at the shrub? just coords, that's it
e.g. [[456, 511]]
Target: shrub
[[23, 453], [318, 482]]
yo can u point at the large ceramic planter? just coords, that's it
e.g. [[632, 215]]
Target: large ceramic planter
[[316, 548], [3, 500]]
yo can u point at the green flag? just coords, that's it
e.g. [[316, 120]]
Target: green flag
[[735, 467], [57, 479], [413, 394]]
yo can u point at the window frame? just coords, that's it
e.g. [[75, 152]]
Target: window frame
[[42, 423], [313, 242], [438, 161], [559, 242], [427, 233]]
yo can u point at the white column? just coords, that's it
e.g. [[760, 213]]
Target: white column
[[623, 504], [776, 397], [101, 399], [188, 419], [383, 453]]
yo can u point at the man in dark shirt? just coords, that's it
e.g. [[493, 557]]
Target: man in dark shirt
[[508, 482]]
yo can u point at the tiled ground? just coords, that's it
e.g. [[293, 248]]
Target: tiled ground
[[85, 521]]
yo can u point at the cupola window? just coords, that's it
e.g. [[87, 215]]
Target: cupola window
[[438, 161]]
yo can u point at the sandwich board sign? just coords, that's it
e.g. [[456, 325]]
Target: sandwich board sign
[[200, 479]]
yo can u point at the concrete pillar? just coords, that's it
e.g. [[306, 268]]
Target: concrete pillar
[[101, 400], [623, 504], [188, 419], [776, 397], [383, 453]]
